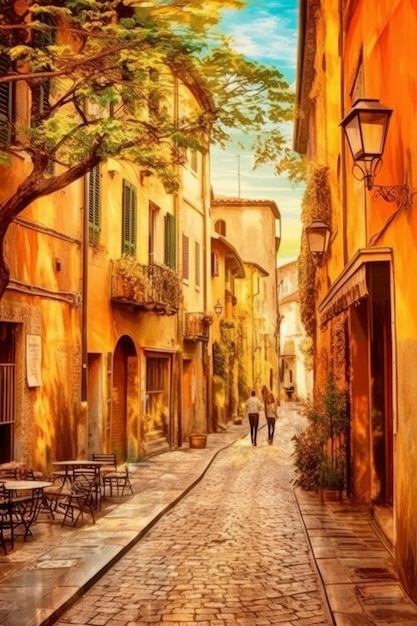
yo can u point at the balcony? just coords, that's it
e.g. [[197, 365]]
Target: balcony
[[197, 326], [154, 288]]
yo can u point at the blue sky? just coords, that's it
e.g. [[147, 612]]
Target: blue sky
[[265, 31]]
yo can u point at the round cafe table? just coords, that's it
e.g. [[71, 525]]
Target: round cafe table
[[24, 500]]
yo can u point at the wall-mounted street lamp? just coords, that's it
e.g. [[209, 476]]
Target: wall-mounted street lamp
[[218, 308], [366, 128], [318, 239]]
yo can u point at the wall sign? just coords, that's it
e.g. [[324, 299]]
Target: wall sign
[[34, 360]]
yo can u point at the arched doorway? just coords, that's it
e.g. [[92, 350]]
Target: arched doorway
[[123, 393]]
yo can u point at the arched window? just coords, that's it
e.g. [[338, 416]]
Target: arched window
[[220, 227]]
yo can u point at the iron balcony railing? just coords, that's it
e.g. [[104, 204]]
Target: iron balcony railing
[[152, 287], [197, 325]]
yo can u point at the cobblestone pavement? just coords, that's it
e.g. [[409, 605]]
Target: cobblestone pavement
[[233, 552]]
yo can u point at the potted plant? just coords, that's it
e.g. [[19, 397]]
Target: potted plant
[[320, 450]]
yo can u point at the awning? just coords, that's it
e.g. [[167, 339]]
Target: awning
[[350, 286]]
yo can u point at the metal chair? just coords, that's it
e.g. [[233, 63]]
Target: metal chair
[[113, 477], [83, 497]]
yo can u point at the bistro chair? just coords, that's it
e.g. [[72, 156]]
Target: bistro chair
[[17, 511], [113, 477], [5, 517], [83, 496]]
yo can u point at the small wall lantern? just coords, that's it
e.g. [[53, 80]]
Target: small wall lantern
[[366, 128], [218, 308], [318, 239]]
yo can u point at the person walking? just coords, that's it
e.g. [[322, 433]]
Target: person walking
[[253, 407], [271, 415]]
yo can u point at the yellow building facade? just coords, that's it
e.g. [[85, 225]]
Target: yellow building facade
[[108, 279], [365, 300], [252, 227]]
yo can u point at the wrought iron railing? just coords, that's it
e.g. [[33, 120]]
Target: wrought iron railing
[[197, 326], [152, 287]]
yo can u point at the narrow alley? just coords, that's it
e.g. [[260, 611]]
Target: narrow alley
[[233, 552]]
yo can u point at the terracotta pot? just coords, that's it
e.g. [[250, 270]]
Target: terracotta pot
[[198, 441], [331, 494]]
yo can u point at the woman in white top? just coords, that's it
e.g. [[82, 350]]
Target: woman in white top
[[253, 407], [271, 414]]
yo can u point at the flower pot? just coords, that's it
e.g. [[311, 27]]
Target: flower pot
[[331, 494], [198, 441]]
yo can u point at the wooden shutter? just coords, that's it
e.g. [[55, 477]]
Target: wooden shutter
[[197, 263], [185, 257], [214, 264], [94, 205], [6, 103], [129, 219], [170, 235]]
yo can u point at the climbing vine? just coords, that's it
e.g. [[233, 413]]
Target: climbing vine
[[316, 204]]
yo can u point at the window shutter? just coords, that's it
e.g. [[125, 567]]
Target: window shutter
[[6, 103], [197, 263], [170, 248], [94, 205], [129, 218], [220, 227], [185, 257], [214, 264]]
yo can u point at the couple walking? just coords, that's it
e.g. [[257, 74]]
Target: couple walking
[[254, 407]]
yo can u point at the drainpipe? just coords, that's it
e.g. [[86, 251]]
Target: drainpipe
[[84, 346], [342, 152], [206, 357], [180, 314]]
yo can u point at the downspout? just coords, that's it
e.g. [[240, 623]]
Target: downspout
[[345, 255], [206, 357], [342, 143], [84, 316], [180, 314]]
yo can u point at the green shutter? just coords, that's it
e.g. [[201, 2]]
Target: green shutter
[[94, 205], [129, 218], [170, 248]]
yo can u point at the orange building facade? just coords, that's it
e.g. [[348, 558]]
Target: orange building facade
[[365, 300]]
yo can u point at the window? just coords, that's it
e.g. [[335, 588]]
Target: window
[[156, 374], [94, 205], [6, 103], [220, 227], [197, 263], [170, 256], [153, 211], [185, 257], [129, 218], [214, 264]]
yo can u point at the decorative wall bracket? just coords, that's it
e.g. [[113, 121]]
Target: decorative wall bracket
[[402, 195]]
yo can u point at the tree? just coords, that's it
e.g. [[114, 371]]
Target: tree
[[99, 76]]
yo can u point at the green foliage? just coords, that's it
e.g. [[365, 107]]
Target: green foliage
[[316, 205], [219, 360], [308, 453], [320, 449], [107, 68]]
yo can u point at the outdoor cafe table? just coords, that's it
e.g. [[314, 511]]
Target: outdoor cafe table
[[68, 472], [24, 509], [70, 465]]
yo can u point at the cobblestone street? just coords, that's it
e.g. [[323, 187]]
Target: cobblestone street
[[232, 552]]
